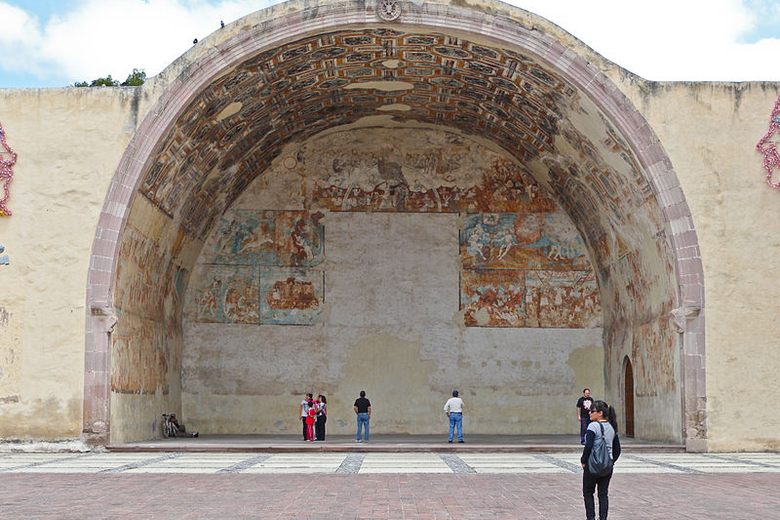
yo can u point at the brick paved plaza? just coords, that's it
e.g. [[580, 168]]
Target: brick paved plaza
[[381, 486]]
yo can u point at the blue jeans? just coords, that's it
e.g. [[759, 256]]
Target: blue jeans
[[456, 421], [362, 422]]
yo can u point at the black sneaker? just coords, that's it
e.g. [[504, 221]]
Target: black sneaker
[[460, 442]]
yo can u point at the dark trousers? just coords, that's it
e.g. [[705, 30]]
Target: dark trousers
[[305, 436], [319, 427], [584, 422], [589, 484]]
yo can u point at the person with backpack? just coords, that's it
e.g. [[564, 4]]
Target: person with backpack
[[602, 449]]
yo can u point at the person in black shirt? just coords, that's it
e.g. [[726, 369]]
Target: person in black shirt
[[363, 411], [322, 417], [583, 412]]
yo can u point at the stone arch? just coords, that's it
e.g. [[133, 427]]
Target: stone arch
[[516, 30]]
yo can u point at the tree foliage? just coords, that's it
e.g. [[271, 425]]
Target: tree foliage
[[134, 79]]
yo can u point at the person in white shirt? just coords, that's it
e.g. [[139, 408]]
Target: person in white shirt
[[454, 410]]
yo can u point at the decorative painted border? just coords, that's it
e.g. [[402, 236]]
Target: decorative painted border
[[769, 148], [282, 23], [6, 173]]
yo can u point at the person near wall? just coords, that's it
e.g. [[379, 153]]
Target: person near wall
[[362, 409], [603, 419], [303, 412], [178, 428], [454, 410], [583, 412], [322, 417]]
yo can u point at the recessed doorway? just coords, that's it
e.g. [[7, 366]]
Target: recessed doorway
[[628, 396]]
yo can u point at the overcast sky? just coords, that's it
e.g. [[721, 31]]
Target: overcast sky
[[53, 43]]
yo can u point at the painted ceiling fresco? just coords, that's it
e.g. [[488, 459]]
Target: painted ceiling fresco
[[232, 131]]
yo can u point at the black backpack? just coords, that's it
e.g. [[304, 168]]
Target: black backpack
[[599, 462]]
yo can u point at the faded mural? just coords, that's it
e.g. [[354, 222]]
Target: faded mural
[[149, 298], [258, 269], [291, 296], [523, 262]]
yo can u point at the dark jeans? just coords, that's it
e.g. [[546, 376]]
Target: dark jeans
[[584, 422], [589, 484], [305, 435], [319, 427]]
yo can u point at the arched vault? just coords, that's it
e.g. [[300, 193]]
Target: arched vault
[[496, 74]]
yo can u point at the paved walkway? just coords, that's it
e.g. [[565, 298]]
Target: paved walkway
[[392, 486], [677, 496], [378, 463]]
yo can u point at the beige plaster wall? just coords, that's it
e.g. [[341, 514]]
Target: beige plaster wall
[[710, 132], [68, 143]]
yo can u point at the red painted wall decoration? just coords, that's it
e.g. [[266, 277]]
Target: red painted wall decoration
[[768, 146], [7, 161]]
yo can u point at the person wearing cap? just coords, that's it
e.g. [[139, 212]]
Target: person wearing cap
[[454, 410]]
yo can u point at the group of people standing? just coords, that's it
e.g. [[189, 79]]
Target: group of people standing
[[314, 415], [598, 423]]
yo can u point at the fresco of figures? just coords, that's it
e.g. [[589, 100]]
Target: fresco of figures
[[386, 183], [255, 269], [526, 270], [228, 294], [273, 238], [516, 298], [562, 299], [493, 298], [521, 241], [291, 296]]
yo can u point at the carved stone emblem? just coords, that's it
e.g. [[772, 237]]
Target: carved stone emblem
[[388, 10]]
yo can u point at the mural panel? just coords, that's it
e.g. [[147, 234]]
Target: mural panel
[[423, 182], [228, 294], [299, 238], [280, 238], [522, 241], [291, 296], [494, 298], [562, 299], [526, 270], [245, 237]]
